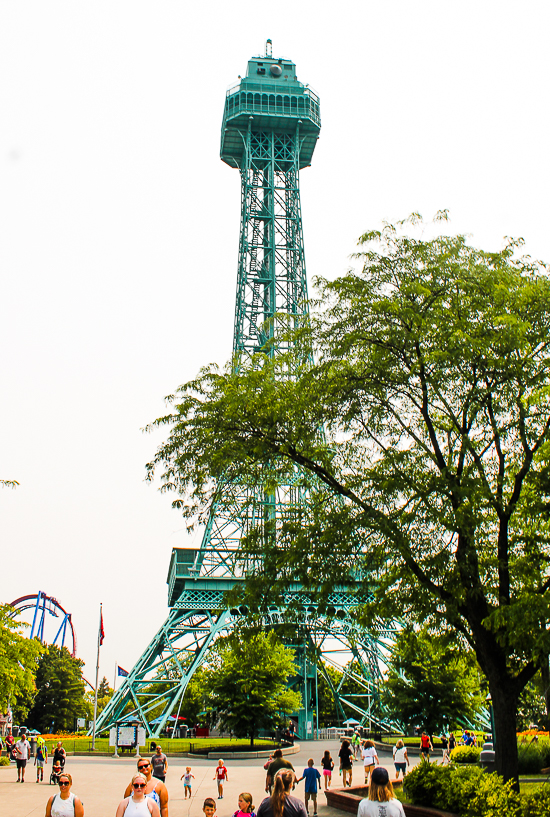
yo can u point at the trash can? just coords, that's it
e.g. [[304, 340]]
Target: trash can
[[487, 758]]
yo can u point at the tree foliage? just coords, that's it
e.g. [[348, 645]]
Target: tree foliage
[[432, 682], [18, 663], [246, 683], [193, 702], [60, 697], [104, 695], [430, 485]]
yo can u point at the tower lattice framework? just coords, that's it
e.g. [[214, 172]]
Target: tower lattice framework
[[270, 127]]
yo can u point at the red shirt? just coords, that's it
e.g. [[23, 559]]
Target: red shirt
[[221, 772]]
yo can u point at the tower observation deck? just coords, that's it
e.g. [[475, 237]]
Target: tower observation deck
[[270, 127], [279, 104]]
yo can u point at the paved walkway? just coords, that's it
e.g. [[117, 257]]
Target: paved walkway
[[100, 783]]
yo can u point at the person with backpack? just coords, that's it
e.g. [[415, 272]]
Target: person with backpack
[[40, 758]]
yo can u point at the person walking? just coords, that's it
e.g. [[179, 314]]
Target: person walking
[[328, 765], [277, 763], [64, 804], [346, 759], [138, 804], [59, 754], [220, 776], [187, 777], [10, 744], [313, 782], [41, 757], [154, 789], [370, 758], [445, 745], [426, 746], [22, 749], [282, 803], [159, 762], [400, 759], [381, 801]]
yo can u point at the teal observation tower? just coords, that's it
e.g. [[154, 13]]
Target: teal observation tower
[[271, 123], [270, 127]]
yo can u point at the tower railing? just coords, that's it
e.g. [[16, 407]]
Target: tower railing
[[299, 102]]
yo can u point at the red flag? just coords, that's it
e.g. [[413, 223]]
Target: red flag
[[101, 630]]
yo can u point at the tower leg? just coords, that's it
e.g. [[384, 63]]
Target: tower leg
[[168, 664]]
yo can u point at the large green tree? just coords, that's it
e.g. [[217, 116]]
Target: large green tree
[[18, 664], [433, 682], [61, 694], [431, 481], [246, 683]]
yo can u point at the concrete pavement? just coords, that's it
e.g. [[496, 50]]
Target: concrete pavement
[[100, 783]]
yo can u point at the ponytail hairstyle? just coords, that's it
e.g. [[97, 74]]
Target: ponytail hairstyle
[[247, 797], [283, 783], [327, 756]]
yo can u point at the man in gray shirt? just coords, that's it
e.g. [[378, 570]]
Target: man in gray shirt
[[159, 764]]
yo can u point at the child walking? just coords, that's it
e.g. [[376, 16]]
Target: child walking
[[39, 760], [328, 765], [246, 806], [220, 777], [312, 778], [187, 777]]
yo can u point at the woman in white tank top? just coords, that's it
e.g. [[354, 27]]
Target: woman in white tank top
[[138, 805], [64, 804]]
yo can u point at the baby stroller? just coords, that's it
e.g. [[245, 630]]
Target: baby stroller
[[57, 771]]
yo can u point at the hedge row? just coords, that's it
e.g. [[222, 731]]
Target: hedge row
[[471, 792]]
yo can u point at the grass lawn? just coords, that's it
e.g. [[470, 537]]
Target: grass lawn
[[84, 744], [529, 788]]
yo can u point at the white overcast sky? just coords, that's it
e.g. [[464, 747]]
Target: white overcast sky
[[119, 232]]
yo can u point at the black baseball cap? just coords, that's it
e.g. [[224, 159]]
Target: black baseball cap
[[380, 776]]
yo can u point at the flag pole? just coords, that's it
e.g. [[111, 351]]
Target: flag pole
[[99, 640], [114, 682]]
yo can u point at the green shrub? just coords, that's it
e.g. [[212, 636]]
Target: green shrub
[[534, 756], [537, 804], [530, 759], [4, 761], [470, 792], [465, 754], [424, 783], [492, 798]]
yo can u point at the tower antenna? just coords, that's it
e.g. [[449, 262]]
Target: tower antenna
[[269, 48]]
